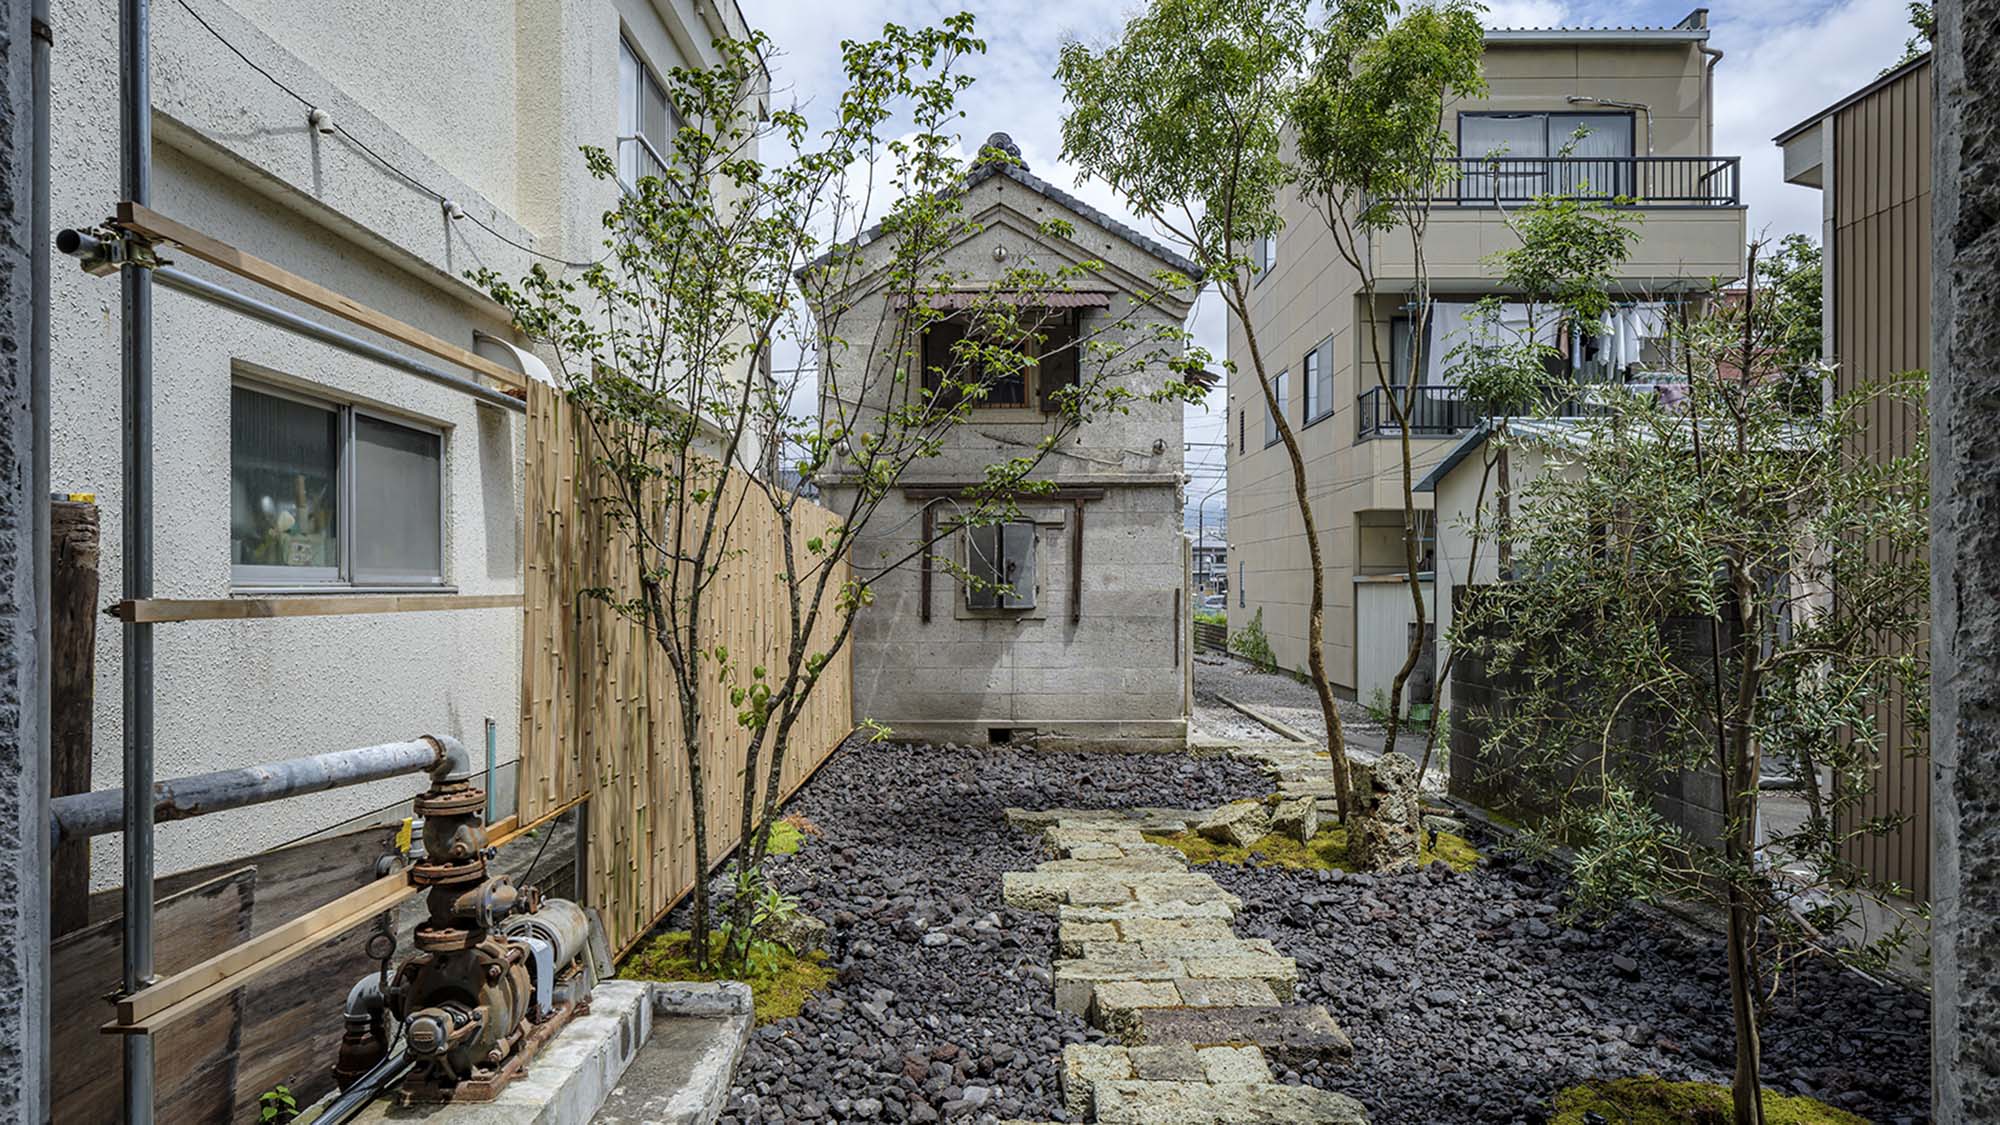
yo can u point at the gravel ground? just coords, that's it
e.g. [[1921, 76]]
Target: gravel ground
[[1469, 1001], [1274, 693], [945, 1004]]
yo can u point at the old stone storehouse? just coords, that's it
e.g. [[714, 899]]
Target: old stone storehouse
[[1085, 644]]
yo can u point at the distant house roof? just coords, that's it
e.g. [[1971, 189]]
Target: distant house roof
[[1019, 173], [1550, 429], [1692, 29]]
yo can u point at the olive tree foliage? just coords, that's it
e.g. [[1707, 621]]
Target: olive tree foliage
[[1372, 158], [744, 246], [1184, 116], [1705, 584]]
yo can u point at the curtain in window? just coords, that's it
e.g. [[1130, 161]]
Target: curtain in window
[[397, 501], [1507, 138], [284, 484], [1599, 159]]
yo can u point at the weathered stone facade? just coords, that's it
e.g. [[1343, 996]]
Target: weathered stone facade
[[1101, 658]]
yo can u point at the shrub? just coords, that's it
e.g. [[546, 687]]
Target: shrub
[[1251, 643]]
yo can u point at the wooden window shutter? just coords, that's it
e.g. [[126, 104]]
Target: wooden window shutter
[[939, 340], [1059, 360]]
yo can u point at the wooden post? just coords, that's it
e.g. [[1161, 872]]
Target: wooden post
[[73, 665]]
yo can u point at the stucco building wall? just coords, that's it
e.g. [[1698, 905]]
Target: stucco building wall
[[482, 103]]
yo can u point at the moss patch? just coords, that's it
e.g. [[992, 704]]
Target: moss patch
[[786, 839], [1655, 1101], [779, 981], [1328, 850]]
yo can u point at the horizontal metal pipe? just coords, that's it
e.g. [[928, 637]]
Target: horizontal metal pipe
[[82, 245], [94, 814]]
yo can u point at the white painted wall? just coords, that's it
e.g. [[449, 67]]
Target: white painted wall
[[485, 102], [1383, 614]]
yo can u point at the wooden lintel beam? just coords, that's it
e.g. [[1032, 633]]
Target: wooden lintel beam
[[148, 223], [176, 997], [158, 610]]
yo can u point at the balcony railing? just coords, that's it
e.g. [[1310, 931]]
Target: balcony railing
[[1435, 410], [1645, 181]]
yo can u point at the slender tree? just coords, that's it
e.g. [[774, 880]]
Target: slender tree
[[1184, 116], [1373, 158], [727, 255]]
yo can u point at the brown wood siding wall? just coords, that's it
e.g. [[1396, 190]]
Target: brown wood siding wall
[[1881, 326], [598, 707]]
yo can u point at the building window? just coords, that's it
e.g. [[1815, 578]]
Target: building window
[[1241, 418], [1000, 566], [1241, 586], [1400, 328], [1277, 407], [1316, 378], [646, 120], [1041, 382], [1513, 155], [1266, 255], [328, 494]]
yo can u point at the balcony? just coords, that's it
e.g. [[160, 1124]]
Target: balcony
[[1639, 181], [1438, 410], [1687, 212]]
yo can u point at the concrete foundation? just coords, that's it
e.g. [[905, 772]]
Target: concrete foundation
[[657, 1053]]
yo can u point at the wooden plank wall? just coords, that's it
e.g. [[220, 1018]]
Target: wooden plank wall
[[1881, 261], [598, 710]]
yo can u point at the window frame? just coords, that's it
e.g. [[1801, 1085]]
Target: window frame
[[1319, 356], [1275, 408], [1267, 257], [1549, 147], [343, 577], [1071, 322], [649, 77]]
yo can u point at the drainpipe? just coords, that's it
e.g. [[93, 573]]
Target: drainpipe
[[1708, 96], [135, 292]]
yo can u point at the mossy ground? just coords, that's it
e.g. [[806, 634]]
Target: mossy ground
[[1655, 1101], [779, 981], [1328, 850]]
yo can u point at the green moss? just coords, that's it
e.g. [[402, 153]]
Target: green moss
[[779, 981], [1328, 850], [1655, 1101], [786, 839]]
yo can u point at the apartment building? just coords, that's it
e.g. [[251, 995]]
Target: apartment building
[[1643, 100], [381, 149]]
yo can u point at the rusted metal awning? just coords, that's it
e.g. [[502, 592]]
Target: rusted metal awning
[[967, 298]]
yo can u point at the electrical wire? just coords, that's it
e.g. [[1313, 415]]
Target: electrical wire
[[357, 142]]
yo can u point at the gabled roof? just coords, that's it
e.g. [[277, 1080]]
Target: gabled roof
[[1530, 429], [1019, 173]]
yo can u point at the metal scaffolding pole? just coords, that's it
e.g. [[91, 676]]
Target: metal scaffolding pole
[[135, 291]]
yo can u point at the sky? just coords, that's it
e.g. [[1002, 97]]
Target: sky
[[1784, 60]]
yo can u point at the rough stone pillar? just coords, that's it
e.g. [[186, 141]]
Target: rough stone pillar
[[1965, 571]]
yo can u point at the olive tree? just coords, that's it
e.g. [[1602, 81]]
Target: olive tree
[[1700, 583]]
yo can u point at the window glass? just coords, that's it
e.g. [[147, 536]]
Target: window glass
[[398, 498], [1309, 379], [643, 111], [284, 506], [1399, 351], [1278, 407]]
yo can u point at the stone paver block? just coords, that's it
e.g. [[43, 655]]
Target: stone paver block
[[1149, 912], [1281, 973], [1232, 1064], [1115, 1005], [1076, 980], [1154, 864], [1063, 839], [1176, 1062], [1201, 947], [1074, 939], [1085, 1065], [1136, 1102], [1241, 823], [1097, 892], [1290, 1036], [1094, 851], [1222, 993], [1178, 888], [1296, 818], [1214, 927]]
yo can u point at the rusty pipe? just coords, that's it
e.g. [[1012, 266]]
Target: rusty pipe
[[94, 814]]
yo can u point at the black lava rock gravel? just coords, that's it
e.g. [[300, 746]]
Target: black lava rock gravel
[[944, 1007], [1469, 1001]]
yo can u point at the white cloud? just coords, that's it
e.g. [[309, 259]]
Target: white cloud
[[1526, 13]]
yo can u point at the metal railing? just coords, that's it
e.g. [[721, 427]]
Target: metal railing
[[1435, 410], [1644, 181]]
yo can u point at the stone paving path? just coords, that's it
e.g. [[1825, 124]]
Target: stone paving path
[[1147, 953]]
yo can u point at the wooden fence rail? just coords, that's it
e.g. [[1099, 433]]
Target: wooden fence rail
[[599, 716]]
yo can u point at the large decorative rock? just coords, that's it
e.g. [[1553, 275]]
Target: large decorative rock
[[1241, 823], [799, 932], [1383, 834], [1296, 818]]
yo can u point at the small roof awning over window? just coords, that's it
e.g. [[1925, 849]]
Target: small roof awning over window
[[967, 298]]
